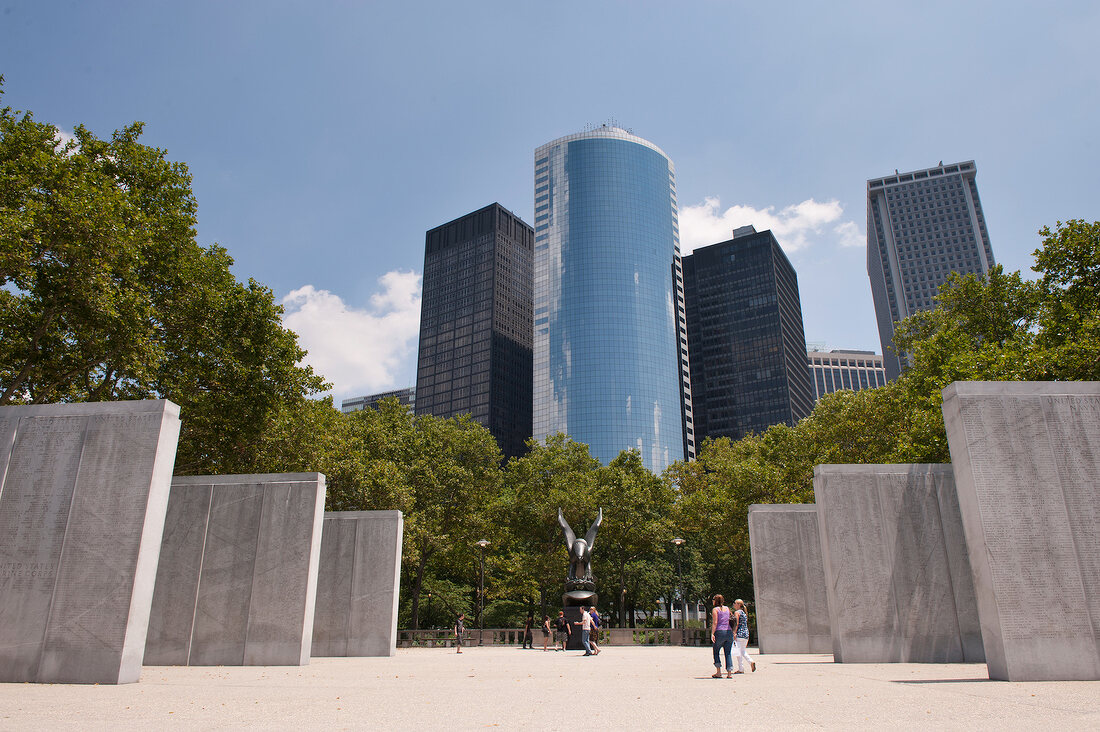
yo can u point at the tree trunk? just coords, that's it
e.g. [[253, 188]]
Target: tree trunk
[[622, 597], [418, 583]]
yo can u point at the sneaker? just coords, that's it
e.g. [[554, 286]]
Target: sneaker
[[753, 664]]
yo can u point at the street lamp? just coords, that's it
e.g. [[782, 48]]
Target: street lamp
[[481, 594], [683, 600]]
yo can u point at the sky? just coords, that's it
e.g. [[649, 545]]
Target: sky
[[325, 138]]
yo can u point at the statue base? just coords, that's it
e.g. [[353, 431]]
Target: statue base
[[572, 602]]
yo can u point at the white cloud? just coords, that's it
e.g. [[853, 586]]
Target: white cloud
[[360, 350], [849, 235], [795, 226], [63, 138]]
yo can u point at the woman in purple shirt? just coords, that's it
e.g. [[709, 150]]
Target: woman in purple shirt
[[721, 636]]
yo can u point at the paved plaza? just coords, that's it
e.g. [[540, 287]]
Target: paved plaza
[[510, 688]]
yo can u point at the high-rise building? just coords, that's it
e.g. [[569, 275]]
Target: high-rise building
[[746, 339], [921, 226], [837, 369], [610, 350], [475, 324], [403, 396]]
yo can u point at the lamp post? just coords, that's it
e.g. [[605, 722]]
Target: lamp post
[[481, 594], [683, 600]]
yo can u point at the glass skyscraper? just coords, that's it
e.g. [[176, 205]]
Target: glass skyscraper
[[610, 345], [921, 226]]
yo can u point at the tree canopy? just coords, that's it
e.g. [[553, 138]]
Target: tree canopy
[[105, 294]]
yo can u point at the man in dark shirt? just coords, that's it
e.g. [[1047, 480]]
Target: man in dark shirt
[[460, 630], [563, 631]]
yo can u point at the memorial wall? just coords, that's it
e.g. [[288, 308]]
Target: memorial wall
[[83, 490], [788, 577], [357, 584], [1026, 458], [897, 574], [237, 579]]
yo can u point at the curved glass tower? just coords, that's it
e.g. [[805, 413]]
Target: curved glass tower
[[609, 369]]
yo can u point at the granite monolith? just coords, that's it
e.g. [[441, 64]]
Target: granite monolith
[[357, 584], [1026, 457], [788, 579], [897, 572], [83, 490], [237, 579]]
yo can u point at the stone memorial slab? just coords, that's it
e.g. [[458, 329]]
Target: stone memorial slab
[[896, 566], [237, 579], [1026, 457], [788, 577], [83, 491], [357, 584]]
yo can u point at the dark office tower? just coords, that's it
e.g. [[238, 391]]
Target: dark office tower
[[921, 226], [475, 324], [745, 337]]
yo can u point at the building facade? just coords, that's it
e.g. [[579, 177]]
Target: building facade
[[610, 363], [475, 324], [921, 226], [746, 337], [371, 401], [837, 369]]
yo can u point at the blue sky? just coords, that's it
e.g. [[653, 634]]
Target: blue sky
[[324, 138]]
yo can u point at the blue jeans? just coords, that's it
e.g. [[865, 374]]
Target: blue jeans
[[585, 643], [723, 639]]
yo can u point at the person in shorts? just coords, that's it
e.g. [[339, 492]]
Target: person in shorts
[[561, 635]]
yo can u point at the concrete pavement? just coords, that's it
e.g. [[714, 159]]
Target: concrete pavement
[[510, 688]]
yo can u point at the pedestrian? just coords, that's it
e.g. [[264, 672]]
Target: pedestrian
[[742, 633], [460, 630], [564, 631], [586, 629], [545, 632], [595, 629], [528, 641], [721, 636]]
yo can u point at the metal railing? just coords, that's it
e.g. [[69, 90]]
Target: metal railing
[[435, 638]]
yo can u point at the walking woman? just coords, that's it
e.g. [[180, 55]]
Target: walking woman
[[742, 619], [545, 631], [721, 636], [595, 630]]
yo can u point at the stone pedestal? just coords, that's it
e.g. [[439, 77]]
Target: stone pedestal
[[1026, 457], [357, 585], [897, 574], [792, 613], [83, 490], [572, 602], [237, 579]]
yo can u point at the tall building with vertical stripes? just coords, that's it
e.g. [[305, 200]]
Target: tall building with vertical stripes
[[837, 369], [746, 337], [921, 226], [475, 324], [610, 347]]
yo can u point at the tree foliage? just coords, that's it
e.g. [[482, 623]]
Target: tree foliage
[[105, 294]]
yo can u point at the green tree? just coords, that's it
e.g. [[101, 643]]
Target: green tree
[[104, 294], [555, 473], [1068, 263], [637, 508]]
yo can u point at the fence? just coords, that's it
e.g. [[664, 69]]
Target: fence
[[514, 637]]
